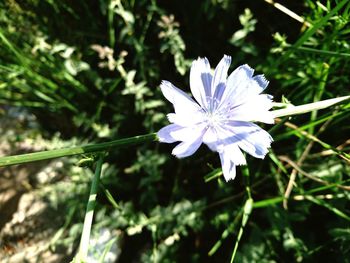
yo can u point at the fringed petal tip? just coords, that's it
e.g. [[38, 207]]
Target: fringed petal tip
[[230, 179], [262, 81], [230, 174], [248, 69], [165, 84], [263, 149], [228, 167], [227, 59], [200, 60]]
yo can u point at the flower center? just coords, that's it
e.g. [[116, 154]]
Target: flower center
[[214, 116]]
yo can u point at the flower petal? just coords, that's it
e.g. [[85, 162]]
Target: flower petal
[[228, 167], [189, 134], [235, 154], [187, 148], [173, 132], [210, 138], [220, 75], [249, 137], [188, 118], [216, 141], [236, 84], [255, 109], [200, 81], [181, 101], [164, 134], [241, 85]]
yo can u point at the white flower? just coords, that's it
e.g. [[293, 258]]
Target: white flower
[[223, 115]]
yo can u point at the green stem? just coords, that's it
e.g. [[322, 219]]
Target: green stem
[[248, 207], [319, 92], [90, 148], [247, 210], [111, 30], [85, 236]]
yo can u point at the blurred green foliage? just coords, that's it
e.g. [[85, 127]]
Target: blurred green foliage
[[90, 71]]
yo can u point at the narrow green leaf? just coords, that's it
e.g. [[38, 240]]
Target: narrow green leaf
[[110, 197], [90, 208], [107, 249], [324, 52], [328, 206], [230, 229], [247, 210], [316, 26], [213, 174]]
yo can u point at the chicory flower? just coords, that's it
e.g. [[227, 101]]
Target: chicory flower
[[222, 114]]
